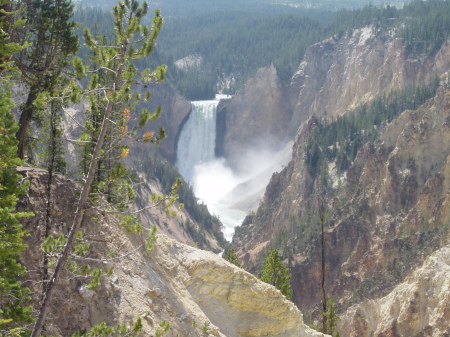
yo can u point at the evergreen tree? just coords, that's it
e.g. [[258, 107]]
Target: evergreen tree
[[111, 100], [48, 29], [231, 256], [13, 311], [12, 295], [332, 319], [276, 273]]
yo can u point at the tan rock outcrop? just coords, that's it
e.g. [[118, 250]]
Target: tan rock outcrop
[[419, 306]]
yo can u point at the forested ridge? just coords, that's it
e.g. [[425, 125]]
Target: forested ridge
[[232, 45]]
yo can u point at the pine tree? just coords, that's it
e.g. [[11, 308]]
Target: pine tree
[[332, 319], [13, 311], [111, 98], [276, 273], [48, 32], [231, 256]]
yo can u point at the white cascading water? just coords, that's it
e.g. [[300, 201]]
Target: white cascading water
[[196, 161], [225, 192], [197, 139]]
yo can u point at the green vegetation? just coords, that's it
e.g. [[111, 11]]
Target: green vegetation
[[332, 319], [233, 44], [425, 25], [14, 312], [229, 44], [341, 139], [276, 273], [237, 44], [231, 256], [49, 33], [101, 145]]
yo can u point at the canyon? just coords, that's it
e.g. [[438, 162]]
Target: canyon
[[386, 215], [387, 212]]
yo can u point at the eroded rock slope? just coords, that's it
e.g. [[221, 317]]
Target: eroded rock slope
[[384, 215], [198, 292]]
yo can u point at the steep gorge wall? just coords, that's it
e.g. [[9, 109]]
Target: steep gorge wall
[[256, 117], [418, 306], [392, 210], [335, 76], [198, 292], [338, 75], [175, 111]]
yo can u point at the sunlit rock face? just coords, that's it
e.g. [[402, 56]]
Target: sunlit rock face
[[390, 211], [197, 292], [419, 306], [337, 75]]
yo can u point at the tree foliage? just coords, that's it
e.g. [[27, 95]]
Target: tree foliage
[[111, 98], [341, 139], [47, 33], [232, 45], [276, 273], [332, 319], [14, 313], [231, 256]]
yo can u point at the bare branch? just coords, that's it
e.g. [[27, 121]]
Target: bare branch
[[131, 212], [110, 259]]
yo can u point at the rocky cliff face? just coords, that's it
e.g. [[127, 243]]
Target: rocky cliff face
[[256, 117], [198, 292], [385, 215], [175, 111], [338, 75], [335, 75], [418, 306]]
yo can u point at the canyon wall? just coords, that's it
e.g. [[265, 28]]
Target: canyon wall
[[389, 210], [175, 112], [196, 291], [256, 117], [335, 76]]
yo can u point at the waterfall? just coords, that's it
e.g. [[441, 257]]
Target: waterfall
[[228, 195], [197, 139], [210, 177]]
